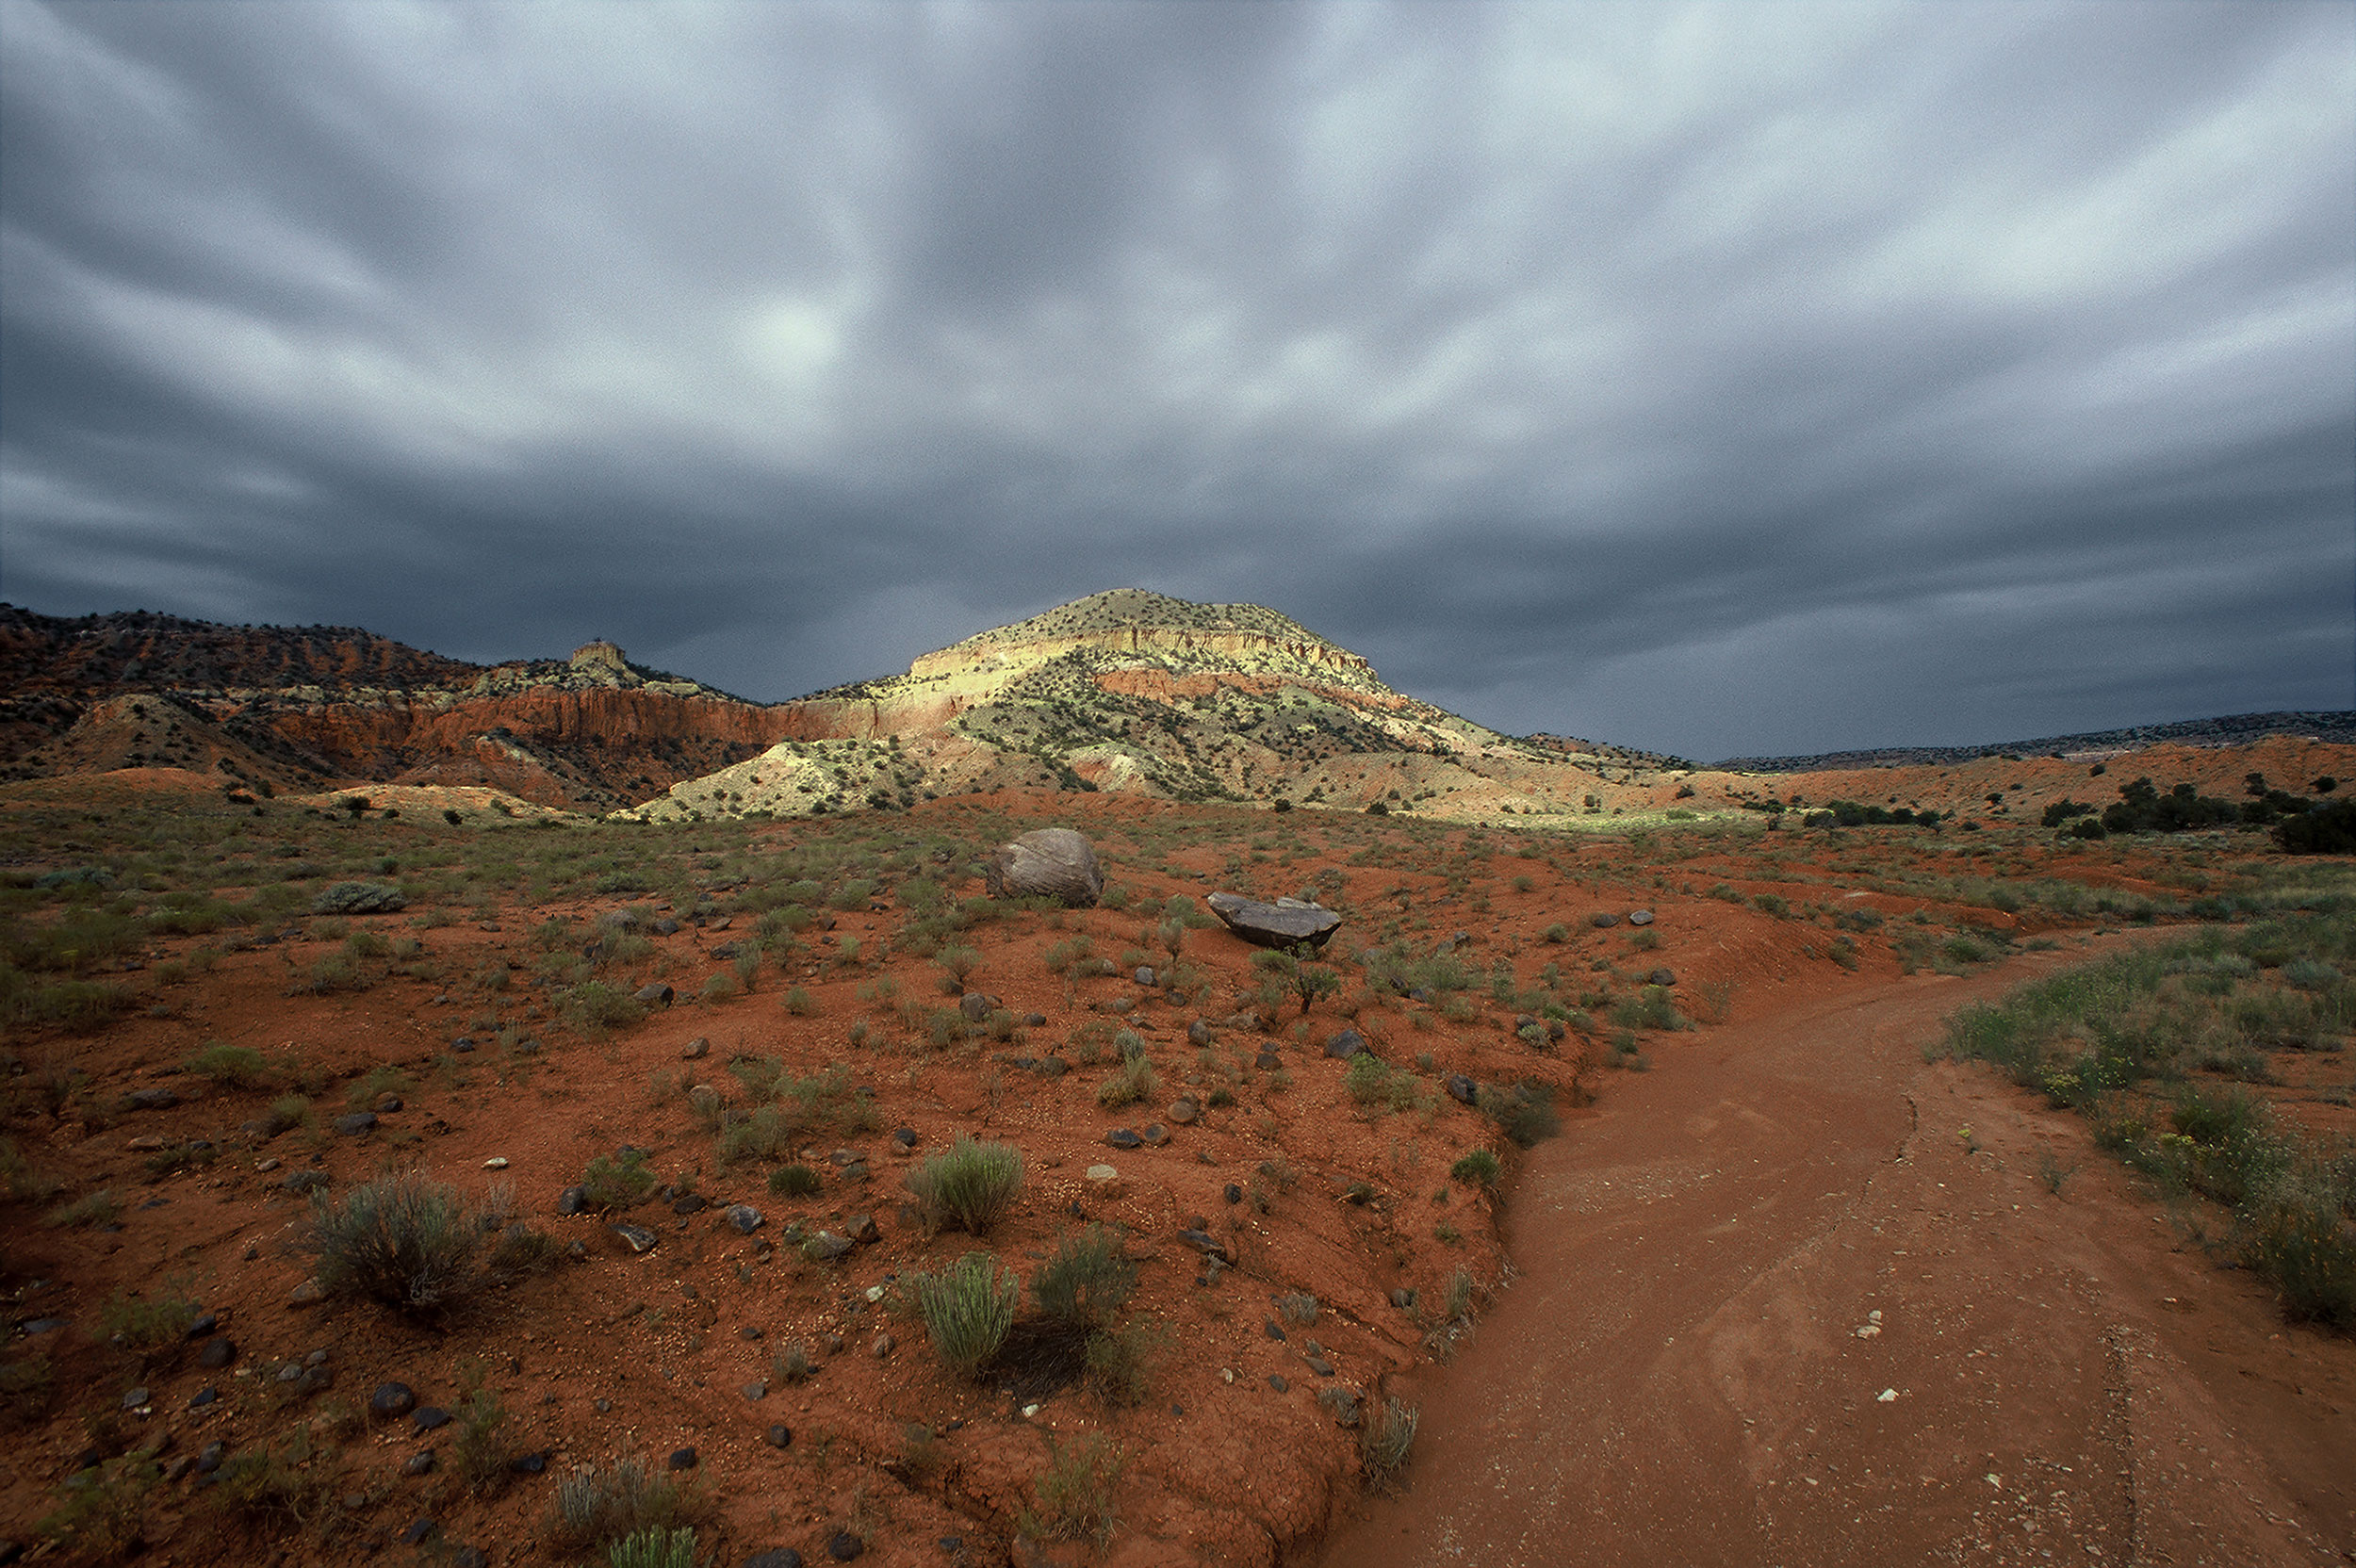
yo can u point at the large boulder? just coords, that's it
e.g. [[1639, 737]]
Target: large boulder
[[1286, 922], [1051, 862]]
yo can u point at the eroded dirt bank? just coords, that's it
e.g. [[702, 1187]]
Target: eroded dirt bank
[[1688, 1367]]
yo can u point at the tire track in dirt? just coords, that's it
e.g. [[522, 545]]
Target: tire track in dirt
[[1797, 1297]]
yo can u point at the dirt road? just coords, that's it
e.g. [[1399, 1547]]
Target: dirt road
[[1777, 1306]]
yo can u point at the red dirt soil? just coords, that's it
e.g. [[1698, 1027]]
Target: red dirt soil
[[1672, 1377]]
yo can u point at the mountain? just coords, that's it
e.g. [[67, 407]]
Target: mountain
[[310, 707], [1143, 694], [2233, 730]]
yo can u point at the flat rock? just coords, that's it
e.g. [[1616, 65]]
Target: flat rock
[[1462, 1089], [636, 1237], [1050, 863], [744, 1219], [151, 1099], [1286, 922], [655, 995], [392, 1399], [1663, 977], [1125, 1137], [358, 1123], [1640, 917], [1346, 1044]]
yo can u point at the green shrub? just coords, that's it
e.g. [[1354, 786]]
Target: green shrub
[[402, 1241], [1087, 1280], [92, 1211], [596, 1505], [969, 1184], [967, 1309], [1525, 1113], [1119, 1361], [654, 1548], [233, 1065], [1134, 1081], [619, 1180], [1385, 1444], [482, 1452], [795, 1181], [1479, 1166], [2307, 1251], [594, 1007], [1075, 1492], [146, 1324]]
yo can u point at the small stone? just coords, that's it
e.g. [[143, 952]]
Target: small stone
[[1125, 1137], [386, 1104], [1035, 1020], [206, 1323], [469, 1557], [882, 1347], [573, 1200], [496, 1162], [826, 1247], [682, 1459], [208, 1394], [636, 1237], [1184, 1110], [1640, 917], [1144, 976], [1663, 977], [778, 1436], [694, 1050], [1267, 1061], [1346, 1044], [903, 1138], [217, 1354], [844, 1546], [305, 1181], [1276, 1380], [756, 1390], [1100, 1174], [1155, 1134], [974, 1006], [1462, 1089], [1602, 919], [418, 1464], [693, 1203], [136, 1399], [1403, 1298], [308, 1293], [43, 1325], [265, 1167], [1322, 1368], [863, 1229], [392, 1399], [776, 1557], [356, 1124], [655, 995], [427, 1418], [744, 1219], [1200, 1035], [151, 1099], [1268, 1327], [463, 1044], [417, 1533], [529, 1465]]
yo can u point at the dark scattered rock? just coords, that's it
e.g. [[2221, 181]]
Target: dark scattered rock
[[844, 1546], [1200, 1034], [1155, 1134], [1346, 1044], [1322, 1368], [572, 1201], [903, 1137], [778, 1436], [863, 1229], [694, 1050], [1403, 1298], [1286, 922], [1603, 919], [636, 1237], [826, 1247], [151, 1099], [529, 1465], [1052, 1066], [469, 1557], [217, 1354], [666, 927], [756, 1390], [42, 1325], [776, 1557], [211, 1458], [1206, 1244], [305, 1181], [974, 1006], [1125, 1137], [654, 995], [417, 1533], [392, 1399], [1276, 1380], [1051, 862], [693, 1203], [463, 1044], [386, 1104], [1144, 976], [1662, 978], [358, 1123], [1184, 1110], [1267, 1061], [1462, 1089], [1035, 1020], [1232, 1193], [744, 1219], [135, 1399], [418, 1464], [1269, 1327], [1640, 917], [359, 898], [208, 1322], [208, 1394], [682, 1459]]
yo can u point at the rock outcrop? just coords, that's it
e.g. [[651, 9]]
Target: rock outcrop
[[1050, 862]]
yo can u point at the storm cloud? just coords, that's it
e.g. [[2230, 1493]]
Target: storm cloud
[[1713, 378]]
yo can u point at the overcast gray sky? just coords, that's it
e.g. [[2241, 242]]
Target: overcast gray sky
[[1712, 377]]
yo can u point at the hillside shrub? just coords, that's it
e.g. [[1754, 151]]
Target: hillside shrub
[[967, 1309], [1088, 1278], [969, 1184], [402, 1241]]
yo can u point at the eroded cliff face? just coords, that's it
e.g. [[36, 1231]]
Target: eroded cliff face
[[1239, 651]]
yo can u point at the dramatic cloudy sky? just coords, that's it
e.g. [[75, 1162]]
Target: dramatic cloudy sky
[[1716, 378]]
